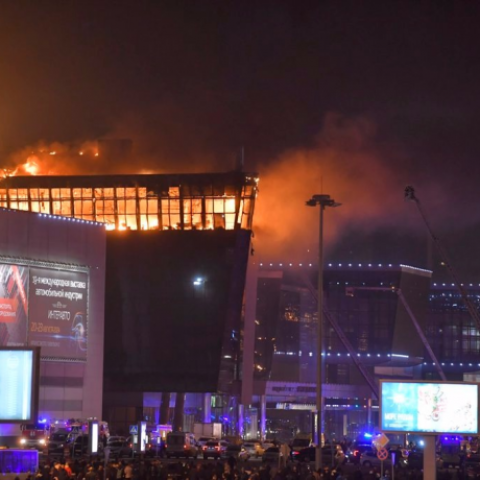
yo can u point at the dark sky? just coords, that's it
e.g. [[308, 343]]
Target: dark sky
[[386, 89]]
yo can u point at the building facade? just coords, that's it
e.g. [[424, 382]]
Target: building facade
[[372, 317], [177, 252], [52, 277]]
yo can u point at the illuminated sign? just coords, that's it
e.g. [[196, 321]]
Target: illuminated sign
[[46, 308], [57, 320], [143, 436], [429, 407], [93, 438], [18, 384]]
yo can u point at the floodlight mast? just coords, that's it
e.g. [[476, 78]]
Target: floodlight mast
[[410, 195], [322, 201]]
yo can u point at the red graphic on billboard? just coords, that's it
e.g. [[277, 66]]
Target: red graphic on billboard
[[8, 310], [20, 286], [13, 305]]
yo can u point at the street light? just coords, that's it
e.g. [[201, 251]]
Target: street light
[[323, 201]]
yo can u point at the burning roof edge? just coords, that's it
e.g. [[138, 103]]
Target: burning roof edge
[[126, 180]]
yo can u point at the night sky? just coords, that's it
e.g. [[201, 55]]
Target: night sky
[[355, 99]]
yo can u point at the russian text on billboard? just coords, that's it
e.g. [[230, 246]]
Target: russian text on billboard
[[58, 312]]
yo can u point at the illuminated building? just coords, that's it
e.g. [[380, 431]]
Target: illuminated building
[[139, 202], [176, 259], [52, 294], [362, 302]]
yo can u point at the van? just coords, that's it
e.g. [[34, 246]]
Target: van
[[180, 444]]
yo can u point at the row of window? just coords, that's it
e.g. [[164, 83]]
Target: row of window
[[135, 208]]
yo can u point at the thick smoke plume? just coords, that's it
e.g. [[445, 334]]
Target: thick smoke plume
[[368, 180], [349, 160]]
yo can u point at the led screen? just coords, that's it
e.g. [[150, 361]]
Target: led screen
[[58, 312], [18, 462], [18, 370], [429, 407]]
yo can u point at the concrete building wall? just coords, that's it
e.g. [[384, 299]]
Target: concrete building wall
[[68, 389]]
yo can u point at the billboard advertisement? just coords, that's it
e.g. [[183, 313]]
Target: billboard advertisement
[[57, 319], [429, 407], [18, 384], [13, 305]]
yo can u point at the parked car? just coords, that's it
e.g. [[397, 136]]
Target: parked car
[[79, 447], [369, 458], [224, 444], [203, 440], [254, 449], [180, 444], [115, 438], [301, 442], [308, 455], [58, 442], [211, 450], [272, 455], [267, 444], [236, 451], [119, 448], [356, 451]]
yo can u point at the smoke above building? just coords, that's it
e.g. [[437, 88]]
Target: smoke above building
[[347, 160]]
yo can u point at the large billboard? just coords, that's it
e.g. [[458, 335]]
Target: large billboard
[[57, 317], [44, 307], [19, 384], [427, 407]]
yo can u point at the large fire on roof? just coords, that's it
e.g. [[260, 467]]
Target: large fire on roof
[[94, 157]]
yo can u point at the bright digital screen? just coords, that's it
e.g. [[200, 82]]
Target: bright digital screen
[[94, 438], [429, 407], [143, 436], [17, 370]]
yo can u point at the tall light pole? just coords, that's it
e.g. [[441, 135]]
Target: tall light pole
[[322, 201]]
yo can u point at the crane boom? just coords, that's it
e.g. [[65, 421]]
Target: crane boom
[[410, 195]]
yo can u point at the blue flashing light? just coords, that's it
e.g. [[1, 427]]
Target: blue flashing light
[[421, 443], [367, 435], [42, 420]]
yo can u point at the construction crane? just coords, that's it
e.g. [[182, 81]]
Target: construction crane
[[410, 195]]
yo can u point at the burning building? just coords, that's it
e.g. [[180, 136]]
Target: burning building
[[176, 259], [139, 202]]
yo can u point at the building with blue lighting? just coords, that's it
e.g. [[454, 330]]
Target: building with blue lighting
[[371, 321]]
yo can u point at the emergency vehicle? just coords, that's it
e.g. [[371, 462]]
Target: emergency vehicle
[[34, 435]]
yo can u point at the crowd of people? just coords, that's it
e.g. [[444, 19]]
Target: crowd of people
[[228, 469]]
